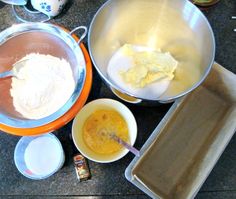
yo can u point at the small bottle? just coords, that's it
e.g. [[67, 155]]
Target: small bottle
[[81, 168]]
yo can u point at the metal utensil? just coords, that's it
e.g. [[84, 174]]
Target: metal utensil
[[120, 141], [14, 71], [125, 144]]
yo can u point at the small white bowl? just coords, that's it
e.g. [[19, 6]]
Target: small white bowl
[[21, 164], [85, 112]]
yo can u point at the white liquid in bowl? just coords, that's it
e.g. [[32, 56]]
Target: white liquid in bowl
[[43, 156]]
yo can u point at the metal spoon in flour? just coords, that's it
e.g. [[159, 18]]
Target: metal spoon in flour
[[14, 71]]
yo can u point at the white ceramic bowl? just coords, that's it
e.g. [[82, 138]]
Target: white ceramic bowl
[[85, 112]]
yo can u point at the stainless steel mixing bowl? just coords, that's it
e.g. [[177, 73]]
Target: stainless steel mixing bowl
[[22, 39], [177, 27]]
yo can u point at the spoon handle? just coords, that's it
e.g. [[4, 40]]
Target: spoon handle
[[6, 74], [126, 145]]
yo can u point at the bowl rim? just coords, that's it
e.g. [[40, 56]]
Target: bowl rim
[[159, 99], [58, 32], [112, 104], [70, 114]]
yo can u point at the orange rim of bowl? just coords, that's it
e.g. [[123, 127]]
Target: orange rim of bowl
[[70, 114]]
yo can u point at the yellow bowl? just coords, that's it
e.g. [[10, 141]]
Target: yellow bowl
[[85, 112]]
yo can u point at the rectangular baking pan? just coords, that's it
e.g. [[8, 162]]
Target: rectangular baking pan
[[183, 149]]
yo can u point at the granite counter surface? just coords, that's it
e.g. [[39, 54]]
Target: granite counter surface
[[108, 180]]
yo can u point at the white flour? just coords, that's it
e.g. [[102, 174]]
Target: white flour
[[43, 160], [43, 86]]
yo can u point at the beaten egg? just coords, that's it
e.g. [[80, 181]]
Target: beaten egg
[[99, 126]]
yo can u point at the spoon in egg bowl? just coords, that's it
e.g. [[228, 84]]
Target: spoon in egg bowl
[[113, 136]]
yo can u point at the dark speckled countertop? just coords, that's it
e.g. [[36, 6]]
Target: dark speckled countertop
[[108, 180]]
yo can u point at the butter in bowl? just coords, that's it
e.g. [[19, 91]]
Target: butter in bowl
[[183, 149]]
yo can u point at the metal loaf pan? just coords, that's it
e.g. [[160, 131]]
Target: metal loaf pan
[[183, 149]]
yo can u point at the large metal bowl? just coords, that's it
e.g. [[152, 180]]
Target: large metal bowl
[[177, 27], [22, 39]]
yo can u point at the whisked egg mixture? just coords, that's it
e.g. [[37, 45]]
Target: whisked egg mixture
[[98, 127]]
